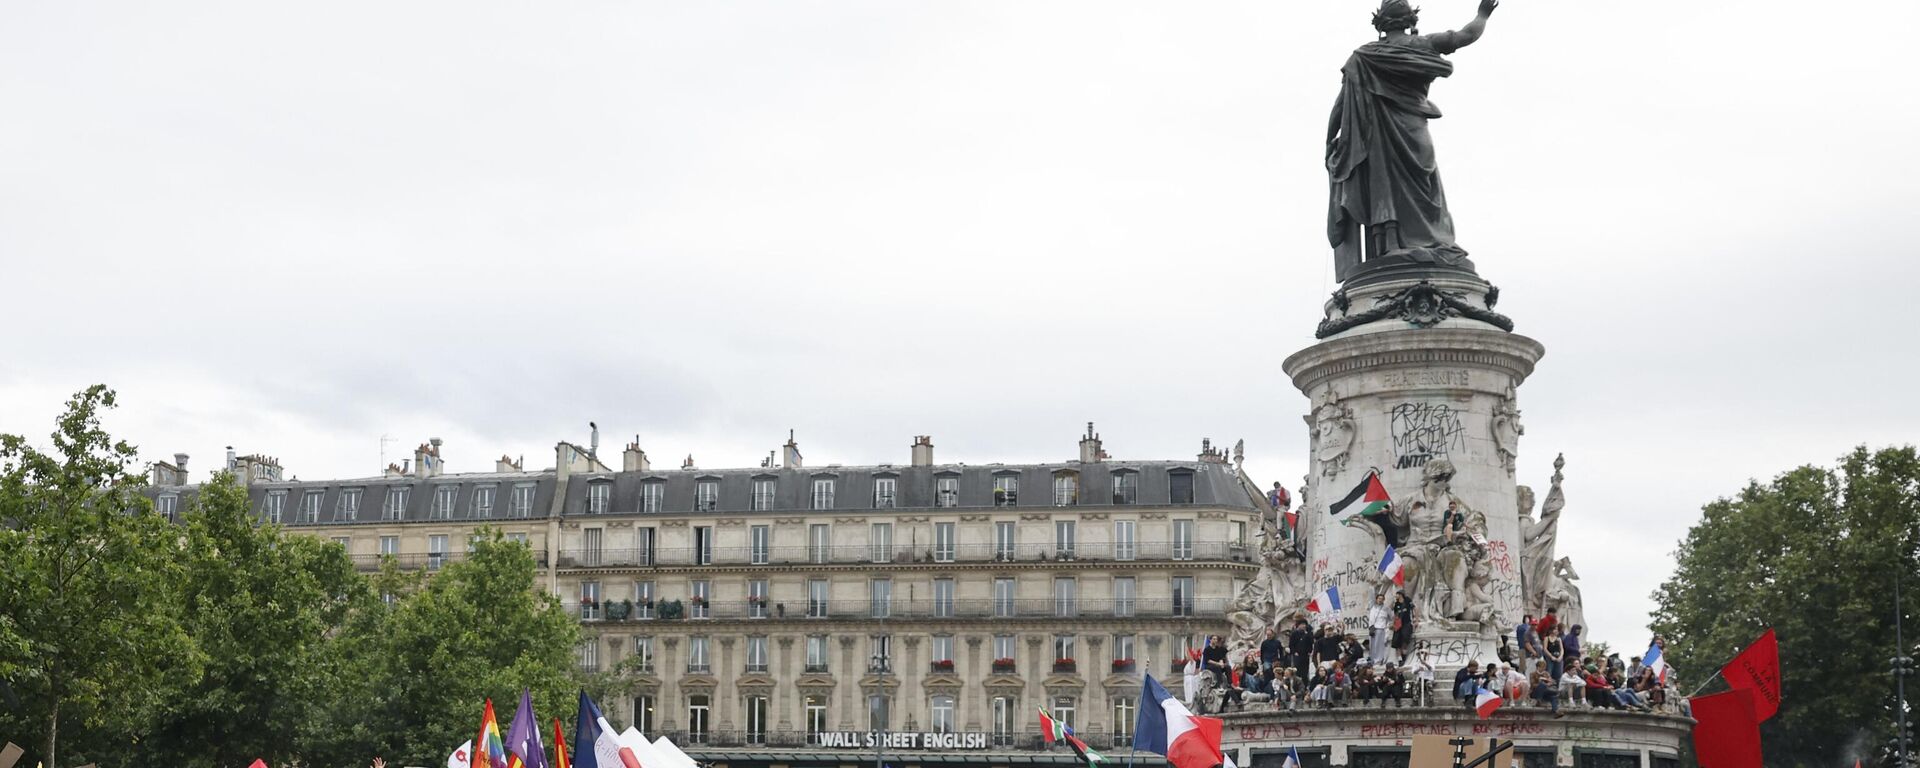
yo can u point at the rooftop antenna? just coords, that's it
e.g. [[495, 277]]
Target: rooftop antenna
[[384, 439]]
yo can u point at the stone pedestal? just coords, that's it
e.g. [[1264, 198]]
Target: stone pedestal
[[1398, 391]]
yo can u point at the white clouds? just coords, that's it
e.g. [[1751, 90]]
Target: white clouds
[[297, 229]]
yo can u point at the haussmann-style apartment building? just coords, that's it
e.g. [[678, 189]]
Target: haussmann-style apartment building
[[793, 615]]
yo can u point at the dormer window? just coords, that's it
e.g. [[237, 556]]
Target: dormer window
[[1066, 489], [706, 496], [884, 492], [599, 497], [347, 509], [823, 493], [443, 498], [483, 501], [396, 506], [522, 503], [946, 491], [1180, 486], [1126, 485], [653, 494], [168, 505], [1006, 490], [763, 493], [274, 506]]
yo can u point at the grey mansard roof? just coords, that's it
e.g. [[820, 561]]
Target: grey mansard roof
[[1214, 485]]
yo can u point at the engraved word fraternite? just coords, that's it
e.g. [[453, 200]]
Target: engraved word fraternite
[[1387, 204]]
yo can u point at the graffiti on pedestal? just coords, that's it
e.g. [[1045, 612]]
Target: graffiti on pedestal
[[1422, 432]]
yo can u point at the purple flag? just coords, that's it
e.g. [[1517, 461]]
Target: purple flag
[[523, 739]]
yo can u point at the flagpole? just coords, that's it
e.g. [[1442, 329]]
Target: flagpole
[[1703, 686]]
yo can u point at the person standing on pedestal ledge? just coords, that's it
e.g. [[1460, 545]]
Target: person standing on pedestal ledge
[[1386, 200]]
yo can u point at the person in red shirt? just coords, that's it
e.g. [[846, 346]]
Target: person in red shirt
[[1549, 625]]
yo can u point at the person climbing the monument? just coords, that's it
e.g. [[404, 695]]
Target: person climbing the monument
[[1271, 649], [1526, 640], [1402, 624], [1300, 648], [1380, 629], [1386, 200], [1555, 655], [1326, 648]]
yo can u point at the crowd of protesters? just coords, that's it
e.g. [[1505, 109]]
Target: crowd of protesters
[[1541, 665]]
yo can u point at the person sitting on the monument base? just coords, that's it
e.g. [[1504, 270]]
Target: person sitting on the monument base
[[1466, 683], [1545, 688], [1286, 689], [1422, 670], [1388, 684], [1573, 687], [1214, 659]]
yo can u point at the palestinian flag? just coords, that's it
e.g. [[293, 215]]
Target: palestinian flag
[[1052, 730], [1086, 753], [1367, 499]]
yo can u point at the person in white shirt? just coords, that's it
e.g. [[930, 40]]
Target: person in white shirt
[[1380, 621], [1192, 677], [1573, 687], [1516, 689], [1420, 668]]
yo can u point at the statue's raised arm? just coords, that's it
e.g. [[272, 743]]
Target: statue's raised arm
[[1448, 42]]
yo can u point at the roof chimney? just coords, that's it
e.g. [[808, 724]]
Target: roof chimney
[[790, 456], [180, 463], [1207, 453], [229, 458], [1090, 452], [634, 460], [394, 470], [688, 464], [506, 464], [593, 440], [923, 450], [426, 459]]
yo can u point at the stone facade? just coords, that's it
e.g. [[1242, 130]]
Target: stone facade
[[1413, 403], [772, 610]]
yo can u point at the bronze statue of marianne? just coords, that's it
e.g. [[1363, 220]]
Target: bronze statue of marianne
[[1387, 205]]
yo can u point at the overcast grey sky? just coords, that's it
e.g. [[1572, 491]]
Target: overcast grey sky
[[295, 228]]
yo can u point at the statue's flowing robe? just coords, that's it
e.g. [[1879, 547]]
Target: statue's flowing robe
[[1380, 162]]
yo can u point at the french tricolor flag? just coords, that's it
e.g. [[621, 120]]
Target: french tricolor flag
[[1326, 602], [1166, 727], [597, 745], [1485, 702], [1293, 758], [1392, 567], [1657, 662]]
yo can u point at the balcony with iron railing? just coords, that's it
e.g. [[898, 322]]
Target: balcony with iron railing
[[861, 554], [907, 610], [414, 561]]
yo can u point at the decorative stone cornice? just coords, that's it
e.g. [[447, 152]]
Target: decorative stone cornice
[[1004, 683], [1093, 515], [849, 520], [729, 522], [872, 683], [1509, 354]]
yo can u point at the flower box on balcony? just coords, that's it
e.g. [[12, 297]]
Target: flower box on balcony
[[943, 666], [1003, 666], [1123, 665], [1063, 665]]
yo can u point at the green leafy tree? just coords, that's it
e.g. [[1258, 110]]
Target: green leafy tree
[[260, 605], [414, 675], [1813, 555], [93, 637]]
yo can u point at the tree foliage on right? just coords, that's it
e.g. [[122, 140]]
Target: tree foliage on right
[[1812, 554]]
